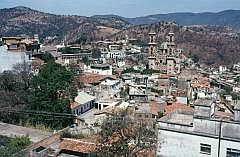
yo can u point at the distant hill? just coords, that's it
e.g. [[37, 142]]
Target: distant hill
[[25, 21], [224, 18], [211, 45]]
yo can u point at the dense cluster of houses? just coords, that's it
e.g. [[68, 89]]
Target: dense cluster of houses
[[182, 100]]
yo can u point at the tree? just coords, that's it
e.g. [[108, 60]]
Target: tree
[[130, 70], [47, 57], [122, 136], [14, 146], [160, 114], [149, 71], [138, 43], [96, 53], [52, 89], [24, 73], [85, 60], [14, 86], [237, 79], [124, 92], [195, 58]]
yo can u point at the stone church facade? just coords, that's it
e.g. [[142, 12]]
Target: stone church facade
[[166, 58]]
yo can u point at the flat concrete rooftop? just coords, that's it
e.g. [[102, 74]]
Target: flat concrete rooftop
[[178, 118]]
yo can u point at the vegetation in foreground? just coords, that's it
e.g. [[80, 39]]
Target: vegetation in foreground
[[14, 146], [123, 136], [51, 91]]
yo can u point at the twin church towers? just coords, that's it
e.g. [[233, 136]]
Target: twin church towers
[[166, 57]]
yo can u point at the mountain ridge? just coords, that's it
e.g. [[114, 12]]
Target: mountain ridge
[[222, 18], [20, 21], [210, 44]]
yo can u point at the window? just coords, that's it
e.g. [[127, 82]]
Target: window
[[205, 148], [233, 152], [151, 50]]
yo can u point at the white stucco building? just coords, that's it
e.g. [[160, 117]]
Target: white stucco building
[[100, 69], [222, 69], [110, 88], [9, 59], [82, 103], [115, 53], [205, 133], [236, 89]]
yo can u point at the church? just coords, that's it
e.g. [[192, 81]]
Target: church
[[166, 58]]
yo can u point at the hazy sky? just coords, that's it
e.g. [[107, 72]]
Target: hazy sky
[[128, 8]]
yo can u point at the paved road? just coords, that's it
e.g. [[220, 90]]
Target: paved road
[[89, 116], [34, 134]]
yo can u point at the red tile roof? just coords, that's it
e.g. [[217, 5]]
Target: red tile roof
[[176, 106], [74, 105], [78, 146], [201, 82], [156, 107], [94, 78]]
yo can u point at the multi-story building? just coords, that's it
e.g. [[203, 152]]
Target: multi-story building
[[21, 44], [10, 59], [114, 53], [79, 54], [167, 57], [200, 88], [212, 130], [101, 69]]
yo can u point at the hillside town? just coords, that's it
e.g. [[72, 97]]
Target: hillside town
[[189, 107]]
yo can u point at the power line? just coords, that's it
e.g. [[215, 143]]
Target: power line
[[38, 113]]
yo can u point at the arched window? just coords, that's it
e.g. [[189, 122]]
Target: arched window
[[151, 39], [151, 50]]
